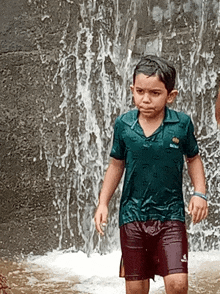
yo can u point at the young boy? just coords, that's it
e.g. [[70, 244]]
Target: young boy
[[149, 143]]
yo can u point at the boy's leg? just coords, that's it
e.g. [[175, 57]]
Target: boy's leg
[[176, 283], [136, 264], [173, 258], [137, 287]]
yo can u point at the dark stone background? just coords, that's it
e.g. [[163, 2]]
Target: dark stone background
[[53, 157]]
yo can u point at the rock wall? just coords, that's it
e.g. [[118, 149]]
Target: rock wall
[[65, 68]]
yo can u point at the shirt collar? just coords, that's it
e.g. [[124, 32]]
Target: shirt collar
[[170, 116]]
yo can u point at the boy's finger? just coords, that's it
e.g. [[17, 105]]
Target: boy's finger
[[193, 217], [198, 216], [99, 229], [101, 220], [194, 214], [190, 208], [103, 227], [97, 223], [104, 219], [206, 212], [100, 225]]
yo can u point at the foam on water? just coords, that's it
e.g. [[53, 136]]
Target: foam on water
[[98, 274]]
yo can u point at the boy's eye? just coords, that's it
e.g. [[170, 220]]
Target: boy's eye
[[139, 91], [156, 93]]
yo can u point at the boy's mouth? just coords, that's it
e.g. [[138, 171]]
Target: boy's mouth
[[147, 109]]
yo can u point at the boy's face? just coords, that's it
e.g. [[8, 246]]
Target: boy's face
[[151, 96]]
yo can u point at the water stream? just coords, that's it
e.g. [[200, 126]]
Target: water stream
[[94, 73]]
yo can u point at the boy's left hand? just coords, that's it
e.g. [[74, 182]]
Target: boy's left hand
[[198, 209]]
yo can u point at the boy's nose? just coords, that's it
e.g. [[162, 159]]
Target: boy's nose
[[146, 98]]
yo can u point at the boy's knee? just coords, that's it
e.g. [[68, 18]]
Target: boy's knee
[[134, 287], [177, 284], [179, 288]]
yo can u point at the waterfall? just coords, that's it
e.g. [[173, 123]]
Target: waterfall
[[94, 71]]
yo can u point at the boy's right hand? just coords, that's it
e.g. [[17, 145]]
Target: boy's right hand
[[101, 216]]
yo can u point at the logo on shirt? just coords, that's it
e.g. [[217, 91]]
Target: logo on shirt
[[174, 146], [175, 140], [184, 259]]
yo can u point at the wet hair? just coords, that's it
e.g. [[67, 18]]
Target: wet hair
[[151, 65]]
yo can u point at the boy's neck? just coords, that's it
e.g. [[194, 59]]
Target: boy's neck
[[150, 124]]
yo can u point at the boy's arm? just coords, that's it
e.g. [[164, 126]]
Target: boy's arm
[[111, 181], [198, 207]]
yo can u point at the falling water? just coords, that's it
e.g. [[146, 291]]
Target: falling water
[[93, 94], [83, 54], [94, 73]]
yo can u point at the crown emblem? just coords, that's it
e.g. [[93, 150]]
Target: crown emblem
[[175, 140]]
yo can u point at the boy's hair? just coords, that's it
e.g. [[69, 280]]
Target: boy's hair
[[152, 65]]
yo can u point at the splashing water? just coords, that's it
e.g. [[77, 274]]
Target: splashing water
[[68, 272], [94, 73]]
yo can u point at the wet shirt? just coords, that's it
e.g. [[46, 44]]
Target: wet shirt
[[152, 187]]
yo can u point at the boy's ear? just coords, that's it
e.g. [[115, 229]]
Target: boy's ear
[[171, 97], [132, 88]]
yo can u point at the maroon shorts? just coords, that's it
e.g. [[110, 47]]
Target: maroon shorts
[[153, 248]]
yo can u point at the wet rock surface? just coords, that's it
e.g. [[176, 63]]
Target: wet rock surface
[[23, 279], [65, 72]]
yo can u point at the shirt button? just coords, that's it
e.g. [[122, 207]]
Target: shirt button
[[146, 144]]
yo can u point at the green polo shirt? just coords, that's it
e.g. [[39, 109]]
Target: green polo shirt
[[152, 187]]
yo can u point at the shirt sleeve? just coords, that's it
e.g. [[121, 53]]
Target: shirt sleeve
[[190, 146], [118, 146]]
